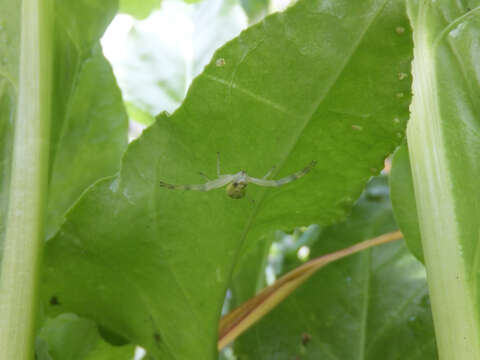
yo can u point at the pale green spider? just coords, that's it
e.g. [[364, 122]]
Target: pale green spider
[[237, 183]]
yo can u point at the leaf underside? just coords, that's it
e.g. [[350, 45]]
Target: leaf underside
[[153, 264]]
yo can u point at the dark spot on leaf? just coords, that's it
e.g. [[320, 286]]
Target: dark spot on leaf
[[157, 337], [54, 301], [306, 338]]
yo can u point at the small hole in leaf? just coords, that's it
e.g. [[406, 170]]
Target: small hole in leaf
[[54, 301], [306, 338]]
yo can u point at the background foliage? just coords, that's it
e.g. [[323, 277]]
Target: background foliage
[[373, 305]]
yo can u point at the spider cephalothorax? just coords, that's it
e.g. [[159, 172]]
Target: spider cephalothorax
[[237, 183]]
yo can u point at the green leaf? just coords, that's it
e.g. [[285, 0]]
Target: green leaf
[[255, 9], [69, 337], [153, 264], [139, 115], [156, 59], [372, 305], [89, 133], [139, 9], [444, 147], [92, 139], [248, 277], [403, 201]]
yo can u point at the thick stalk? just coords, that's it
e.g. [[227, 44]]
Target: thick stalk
[[26, 211], [452, 298]]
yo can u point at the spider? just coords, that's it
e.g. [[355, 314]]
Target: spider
[[237, 183]]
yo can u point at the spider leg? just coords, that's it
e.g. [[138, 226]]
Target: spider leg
[[210, 185], [269, 172], [198, 187], [204, 175], [282, 181], [218, 164]]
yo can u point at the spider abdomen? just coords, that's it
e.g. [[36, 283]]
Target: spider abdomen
[[236, 190]]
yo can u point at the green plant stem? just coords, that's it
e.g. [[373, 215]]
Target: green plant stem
[[454, 313], [27, 196]]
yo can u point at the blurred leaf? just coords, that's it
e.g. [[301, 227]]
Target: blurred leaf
[[153, 264], [92, 138], [403, 201], [372, 305], [289, 255], [89, 125], [255, 9], [243, 317], [138, 115], [89, 132], [250, 278], [280, 258], [139, 9], [156, 60], [68, 337], [214, 23]]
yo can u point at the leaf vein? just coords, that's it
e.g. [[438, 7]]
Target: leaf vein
[[257, 97]]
